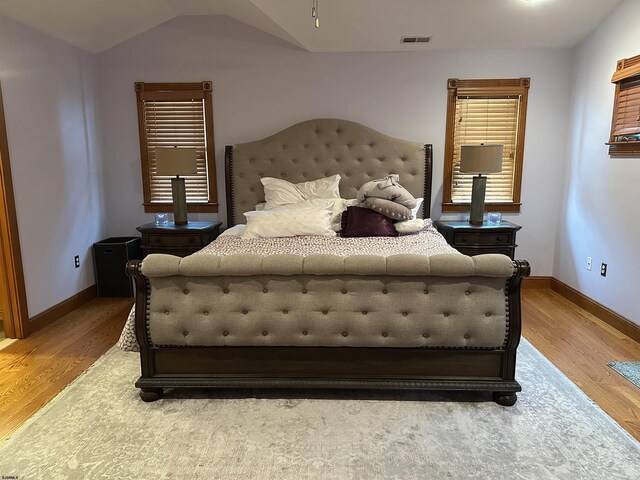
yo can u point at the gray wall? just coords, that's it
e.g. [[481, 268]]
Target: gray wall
[[599, 216], [262, 84], [49, 91]]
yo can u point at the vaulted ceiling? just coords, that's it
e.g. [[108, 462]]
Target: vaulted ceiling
[[345, 25]]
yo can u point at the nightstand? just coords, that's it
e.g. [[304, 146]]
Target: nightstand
[[475, 240], [180, 240]]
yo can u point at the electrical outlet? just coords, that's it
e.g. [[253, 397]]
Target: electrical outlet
[[603, 269], [589, 262], [76, 261]]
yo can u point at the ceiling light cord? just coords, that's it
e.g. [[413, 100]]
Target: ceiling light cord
[[314, 13]]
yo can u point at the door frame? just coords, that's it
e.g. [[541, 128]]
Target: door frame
[[13, 295]]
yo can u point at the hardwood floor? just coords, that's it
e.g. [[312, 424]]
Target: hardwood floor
[[34, 370], [581, 345]]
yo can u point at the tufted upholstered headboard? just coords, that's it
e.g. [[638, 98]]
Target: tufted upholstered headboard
[[320, 148]]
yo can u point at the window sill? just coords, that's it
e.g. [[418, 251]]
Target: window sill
[[191, 207], [488, 207], [624, 149]]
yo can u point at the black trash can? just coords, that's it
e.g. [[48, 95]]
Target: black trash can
[[110, 257]]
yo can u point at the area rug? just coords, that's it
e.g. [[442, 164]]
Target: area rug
[[629, 370], [98, 428]]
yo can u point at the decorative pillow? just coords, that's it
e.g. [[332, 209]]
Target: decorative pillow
[[416, 209], [278, 192], [388, 208], [235, 231], [289, 222], [336, 205], [409, 226], [362, 222], [388, 188], [336, 220]]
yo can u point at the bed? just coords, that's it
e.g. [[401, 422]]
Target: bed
[[379, 318]]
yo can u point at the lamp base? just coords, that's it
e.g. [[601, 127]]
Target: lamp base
[[478, 191], [179, 194]]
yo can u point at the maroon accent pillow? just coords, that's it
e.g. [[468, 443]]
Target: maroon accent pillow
[[362, 222]]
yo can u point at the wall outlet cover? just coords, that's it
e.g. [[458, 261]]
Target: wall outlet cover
[[76, 261], [603, 269], [589, 263]]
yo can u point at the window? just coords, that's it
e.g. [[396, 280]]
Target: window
[[177, 115], [624, 140], [485, 111]]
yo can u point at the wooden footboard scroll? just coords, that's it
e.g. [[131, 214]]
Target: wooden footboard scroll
[[340, 367], [522, 269], [143, 295]]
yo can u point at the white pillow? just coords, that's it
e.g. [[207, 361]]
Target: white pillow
[[337, 206], [414, 211], [336, 221], [234, 231], [278, 192], [288, 222], [409, 226]]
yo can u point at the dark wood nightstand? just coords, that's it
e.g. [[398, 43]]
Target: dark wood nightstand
[[475, 240], [180, 240]]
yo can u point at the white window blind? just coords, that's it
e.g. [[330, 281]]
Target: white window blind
[[492, 120], [176, 123]]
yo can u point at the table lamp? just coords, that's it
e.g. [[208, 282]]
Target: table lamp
[[480, 159], [174, 162]]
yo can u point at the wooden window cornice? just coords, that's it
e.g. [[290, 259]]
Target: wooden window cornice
[[626, 68]]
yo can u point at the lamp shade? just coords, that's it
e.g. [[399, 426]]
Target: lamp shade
[[176, 161], [481, 158]]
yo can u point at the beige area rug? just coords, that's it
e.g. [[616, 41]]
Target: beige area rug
[[98, 428]]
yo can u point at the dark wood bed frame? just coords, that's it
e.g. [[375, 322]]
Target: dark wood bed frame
[[330, 367]]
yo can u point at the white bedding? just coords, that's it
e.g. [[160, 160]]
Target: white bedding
[[427, 241], [290, 222]]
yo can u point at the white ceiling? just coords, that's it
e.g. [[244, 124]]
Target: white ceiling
[[345, 25]]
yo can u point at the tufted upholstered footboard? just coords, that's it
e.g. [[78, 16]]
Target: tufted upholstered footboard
[[448, 322]]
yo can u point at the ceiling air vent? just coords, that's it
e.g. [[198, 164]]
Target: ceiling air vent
[[415, 39]]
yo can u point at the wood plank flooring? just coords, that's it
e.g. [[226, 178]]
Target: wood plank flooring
[[581, 345], [34, 370]]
